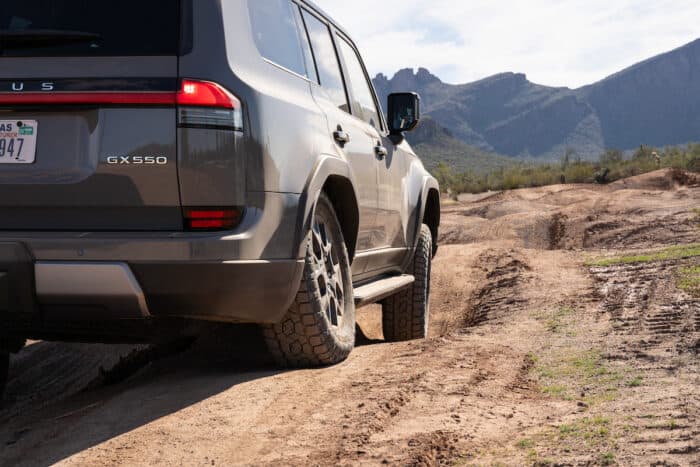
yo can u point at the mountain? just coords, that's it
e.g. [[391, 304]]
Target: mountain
[[656, 102], [436, 145]]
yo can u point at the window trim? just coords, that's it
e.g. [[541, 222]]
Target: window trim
[[341, 65], [368, 81], [304, 36], [284, 68], [337, 33]]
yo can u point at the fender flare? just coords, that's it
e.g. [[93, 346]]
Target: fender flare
[[429, 183], [326, 168]]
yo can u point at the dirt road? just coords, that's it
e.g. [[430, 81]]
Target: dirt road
[[551, 346]]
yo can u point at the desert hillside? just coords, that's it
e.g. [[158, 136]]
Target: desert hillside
[[654, 103], [565, 331]]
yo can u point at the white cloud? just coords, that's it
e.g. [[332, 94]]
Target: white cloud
[[558, 43]]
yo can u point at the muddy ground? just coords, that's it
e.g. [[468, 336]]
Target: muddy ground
[[541, 353]]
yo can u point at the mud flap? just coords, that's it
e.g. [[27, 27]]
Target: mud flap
[[17, 298]]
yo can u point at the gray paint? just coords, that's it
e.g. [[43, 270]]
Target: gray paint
[[70, 283], [72, 187], [73, 206]]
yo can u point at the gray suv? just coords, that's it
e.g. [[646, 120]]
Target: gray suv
[[167, 163]]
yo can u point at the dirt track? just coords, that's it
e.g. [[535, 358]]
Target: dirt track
[[536, 358]]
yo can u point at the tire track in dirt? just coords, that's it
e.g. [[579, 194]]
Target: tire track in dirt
[[500, 293], [643, 302], [490, 304], [373, 429], [656, 332]]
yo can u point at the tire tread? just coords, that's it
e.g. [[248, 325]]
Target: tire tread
[[303, 338], [405, 313]]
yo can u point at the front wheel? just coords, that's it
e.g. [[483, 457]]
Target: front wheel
[[319, 328], [405, 315]]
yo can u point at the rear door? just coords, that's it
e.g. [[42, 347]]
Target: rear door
[[388, 232], [348, 133], [87, 108]]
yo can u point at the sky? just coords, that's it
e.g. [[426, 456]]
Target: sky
[[557, 43]]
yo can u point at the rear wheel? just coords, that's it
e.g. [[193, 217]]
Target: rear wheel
[[405, 315], [319, 328]]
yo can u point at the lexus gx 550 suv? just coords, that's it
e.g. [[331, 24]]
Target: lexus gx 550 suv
[[165, 163]]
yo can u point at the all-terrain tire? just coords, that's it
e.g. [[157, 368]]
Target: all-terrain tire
[[319, 328], [405, 315], [4, 369]]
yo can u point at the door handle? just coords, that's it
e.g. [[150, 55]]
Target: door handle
[[340, 136], [381, 151]]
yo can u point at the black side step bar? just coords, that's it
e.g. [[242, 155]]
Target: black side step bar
[[380, 289]]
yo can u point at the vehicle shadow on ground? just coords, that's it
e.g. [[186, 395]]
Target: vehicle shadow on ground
[[361, 338], [66, 409]]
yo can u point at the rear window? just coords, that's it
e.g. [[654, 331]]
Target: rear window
[[47, 28], [276, 33]]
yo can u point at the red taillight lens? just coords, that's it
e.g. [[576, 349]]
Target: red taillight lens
[[89, 98], [212, 219], [191, 92], [203, 104], [206, 94]]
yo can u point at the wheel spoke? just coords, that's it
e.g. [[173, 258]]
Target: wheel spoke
[[328, 273], [318, 247], [333, 310], [339, 280], [323, 234], [339, 297]]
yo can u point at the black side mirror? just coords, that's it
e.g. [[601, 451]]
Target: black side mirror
[[404, 112]]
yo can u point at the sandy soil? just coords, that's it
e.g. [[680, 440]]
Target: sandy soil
[[537, 357]]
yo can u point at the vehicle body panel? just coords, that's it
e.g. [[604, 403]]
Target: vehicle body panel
[[74, 206]]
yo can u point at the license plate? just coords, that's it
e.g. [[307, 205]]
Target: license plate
[[18, 141]]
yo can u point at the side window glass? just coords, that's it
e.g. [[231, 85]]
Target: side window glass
[[306, 47], [329, 74], [363, 105], [276, 34]]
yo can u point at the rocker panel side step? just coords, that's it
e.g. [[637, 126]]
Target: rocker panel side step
[[377, 290]]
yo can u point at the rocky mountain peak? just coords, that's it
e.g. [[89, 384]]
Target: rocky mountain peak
[[655, 102]]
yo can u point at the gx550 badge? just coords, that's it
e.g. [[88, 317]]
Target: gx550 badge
[[137, 160]]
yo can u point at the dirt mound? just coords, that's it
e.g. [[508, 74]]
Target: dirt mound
[[665, 179], [652, 209]]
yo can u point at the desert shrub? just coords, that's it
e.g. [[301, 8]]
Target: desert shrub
[[694, 164], [611, 157], [526, 175], [581, 172]]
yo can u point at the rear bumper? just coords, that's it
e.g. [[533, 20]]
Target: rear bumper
[[229, 291], [69, 299], [55, 281], [232, 291]]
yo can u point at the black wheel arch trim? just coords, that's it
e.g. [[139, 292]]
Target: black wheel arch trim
[[334, 176], [430, 184]]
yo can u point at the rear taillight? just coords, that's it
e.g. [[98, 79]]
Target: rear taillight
[[203, 104], [157, 98], [206, 94], [212, 218]]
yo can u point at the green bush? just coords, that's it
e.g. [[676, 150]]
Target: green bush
[[527, 174]]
